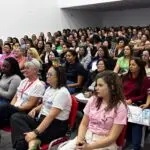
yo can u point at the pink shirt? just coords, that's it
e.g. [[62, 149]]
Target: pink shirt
[[100, 121]]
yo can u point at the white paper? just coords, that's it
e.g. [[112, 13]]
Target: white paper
[[94, 66], [139, 116], [81, 97]]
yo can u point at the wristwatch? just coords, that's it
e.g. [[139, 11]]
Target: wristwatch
[[36, 132]]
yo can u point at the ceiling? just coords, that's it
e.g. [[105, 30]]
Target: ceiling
[[119, 5]]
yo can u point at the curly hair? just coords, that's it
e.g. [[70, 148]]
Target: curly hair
[[115, 89]]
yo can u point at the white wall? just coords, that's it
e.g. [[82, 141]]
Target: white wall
[[126, 17], [74, 3], [19, 17], [75, 19]]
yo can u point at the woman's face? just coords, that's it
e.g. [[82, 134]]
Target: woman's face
[[51, 77], [100, 52], [29, 71], [17, 45], [14, 41], [40, 44], [127, 51], [102, 88], [81, 51], [47, 47], [17, 52], [6, 49], [139, 35], [64, 48], [28, 46], [33, 37], [105, 43], [70, 58], [73, 43], [6, 66], [29, 53], [145, 56], [144, 38], [100, 66], [22, 41], [121, 44], [134, 68]]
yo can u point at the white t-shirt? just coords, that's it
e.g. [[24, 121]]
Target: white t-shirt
[[35, 89], [58, 98]]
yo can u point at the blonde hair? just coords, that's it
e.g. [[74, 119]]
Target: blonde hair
[[34, 54]]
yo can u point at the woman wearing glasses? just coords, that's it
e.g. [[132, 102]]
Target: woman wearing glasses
[[47, 121]]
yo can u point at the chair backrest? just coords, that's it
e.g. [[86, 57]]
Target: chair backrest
[[73, 113]]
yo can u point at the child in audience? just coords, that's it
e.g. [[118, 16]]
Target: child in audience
[[52, 121], [105, 115]]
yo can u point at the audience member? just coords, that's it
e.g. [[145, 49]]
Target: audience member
[[9, 80], [53, 114], [105, 115], [27, 94]]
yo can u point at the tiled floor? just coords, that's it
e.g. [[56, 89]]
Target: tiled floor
[[6, 142]]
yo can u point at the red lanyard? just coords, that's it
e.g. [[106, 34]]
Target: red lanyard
[[26, 87]]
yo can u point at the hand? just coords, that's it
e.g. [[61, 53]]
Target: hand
[[144, 106], [83, 146], [32, 113], [30, 136], [129, 101]]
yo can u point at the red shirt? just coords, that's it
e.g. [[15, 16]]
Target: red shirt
[[133, 92]]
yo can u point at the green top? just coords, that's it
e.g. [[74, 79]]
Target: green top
[[123, 63]]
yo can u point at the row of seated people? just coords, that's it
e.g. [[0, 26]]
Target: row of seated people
[[99, 56], [135, 87], [33, 122], [77, 71]]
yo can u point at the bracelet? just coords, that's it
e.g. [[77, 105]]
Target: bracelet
[[36, 132]]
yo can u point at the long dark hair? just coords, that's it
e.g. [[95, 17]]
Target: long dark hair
[[85, 52], [115, 90], [142, 72], [61, 76], [14, 67]]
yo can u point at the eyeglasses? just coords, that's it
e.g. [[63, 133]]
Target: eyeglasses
[[49, 75]]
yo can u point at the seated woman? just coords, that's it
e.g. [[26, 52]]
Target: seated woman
[[146, 59], [9, 80], [104, 116], [102, 53], [118, 52], [122, 65], [135, 86], [19, 56], [147, 104], [76, 74], [27, 95], [33, 53], [84, 56], [102, 65], [47, 56], [53, 114]]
